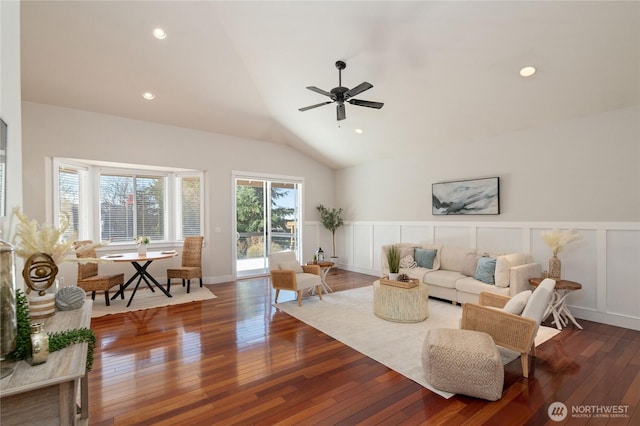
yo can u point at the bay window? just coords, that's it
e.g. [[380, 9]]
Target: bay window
[[106, 201]]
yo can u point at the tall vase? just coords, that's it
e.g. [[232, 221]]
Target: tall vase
[[142, 249], [554, 268]]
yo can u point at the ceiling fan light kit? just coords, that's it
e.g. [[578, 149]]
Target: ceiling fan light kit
[[341, 94]]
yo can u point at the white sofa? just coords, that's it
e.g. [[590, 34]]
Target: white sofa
[[451, 277]]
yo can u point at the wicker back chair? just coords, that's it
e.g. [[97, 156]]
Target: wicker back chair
[[88, 277], [191, 263], [515, 332]]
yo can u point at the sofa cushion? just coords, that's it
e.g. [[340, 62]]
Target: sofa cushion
[[516, 304], [486, 269], [503, 265], [442, 278], [452, 258], [473, 286], [415, 273], [470, 264], [425, 257]]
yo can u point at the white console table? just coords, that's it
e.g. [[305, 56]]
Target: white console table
[[46, 394]]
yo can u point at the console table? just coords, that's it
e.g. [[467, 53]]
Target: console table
[[46, 394]]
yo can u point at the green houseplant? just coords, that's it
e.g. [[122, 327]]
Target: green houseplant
[[393, 259], [332, 220]]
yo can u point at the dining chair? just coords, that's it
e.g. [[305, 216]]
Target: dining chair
[[88, 277], [191, 263]]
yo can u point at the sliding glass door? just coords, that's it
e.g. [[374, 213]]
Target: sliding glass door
[[267, 214]]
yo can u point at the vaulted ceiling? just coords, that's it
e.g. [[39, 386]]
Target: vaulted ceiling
[[448, 72]]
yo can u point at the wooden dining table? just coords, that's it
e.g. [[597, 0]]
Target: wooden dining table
[[140, 263]]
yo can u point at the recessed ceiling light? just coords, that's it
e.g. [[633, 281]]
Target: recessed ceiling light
[[359, 131], [527, 71], [148, 96], [159, 34]]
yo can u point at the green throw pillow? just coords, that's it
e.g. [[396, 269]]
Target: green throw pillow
[[486, 270], [425, 257]]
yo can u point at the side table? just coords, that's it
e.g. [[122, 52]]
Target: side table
[[558, 306], [401, 304], [325, 267]]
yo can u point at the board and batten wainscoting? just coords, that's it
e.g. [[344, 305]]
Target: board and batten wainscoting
[[606, 261]]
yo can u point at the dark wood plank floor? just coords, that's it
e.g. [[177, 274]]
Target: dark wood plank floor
[[238, 360]]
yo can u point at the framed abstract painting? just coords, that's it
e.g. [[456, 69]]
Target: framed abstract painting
[[477, 196]]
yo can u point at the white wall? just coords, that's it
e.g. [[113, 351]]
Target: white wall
[[583, 173], [61, 132], [10, 107], [586, 169]]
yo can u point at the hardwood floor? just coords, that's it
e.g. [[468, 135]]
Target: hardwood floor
[[238, 360]]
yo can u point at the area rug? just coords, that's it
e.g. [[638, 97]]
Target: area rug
[[348, 317], [146, 299]]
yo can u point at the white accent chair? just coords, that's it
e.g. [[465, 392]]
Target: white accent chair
[[515, 332], [287, 274]]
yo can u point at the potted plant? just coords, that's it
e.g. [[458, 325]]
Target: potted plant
[[393, 259], [331, 220]]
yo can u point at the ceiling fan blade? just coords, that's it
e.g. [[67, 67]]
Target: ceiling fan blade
[[315, 89], [358, 89], [369, 104], [314, 106], [341, 112]]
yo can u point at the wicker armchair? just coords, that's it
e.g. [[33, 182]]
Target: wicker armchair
[[88, 277], [515, 332], [191, 263], [287, 274]]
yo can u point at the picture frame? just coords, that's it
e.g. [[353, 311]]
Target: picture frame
[[466, 197]]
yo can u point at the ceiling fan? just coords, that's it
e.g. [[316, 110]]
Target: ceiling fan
[[341, 94]]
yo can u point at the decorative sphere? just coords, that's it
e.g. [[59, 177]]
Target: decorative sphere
[[69, 298]]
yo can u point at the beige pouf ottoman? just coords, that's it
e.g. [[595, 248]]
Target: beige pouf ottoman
[[463, 361]]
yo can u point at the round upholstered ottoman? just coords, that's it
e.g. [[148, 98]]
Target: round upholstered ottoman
[[463, 361]]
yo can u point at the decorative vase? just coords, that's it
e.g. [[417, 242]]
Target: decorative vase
[[8, 318], [393, 276], [142, 249], [38, 350], [554, 268]]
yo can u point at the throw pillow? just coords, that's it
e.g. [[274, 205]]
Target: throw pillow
[[517, 303], [486, 270], [424, 257], [470, 264], [293, 265], [504, 264], [407, 262]]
